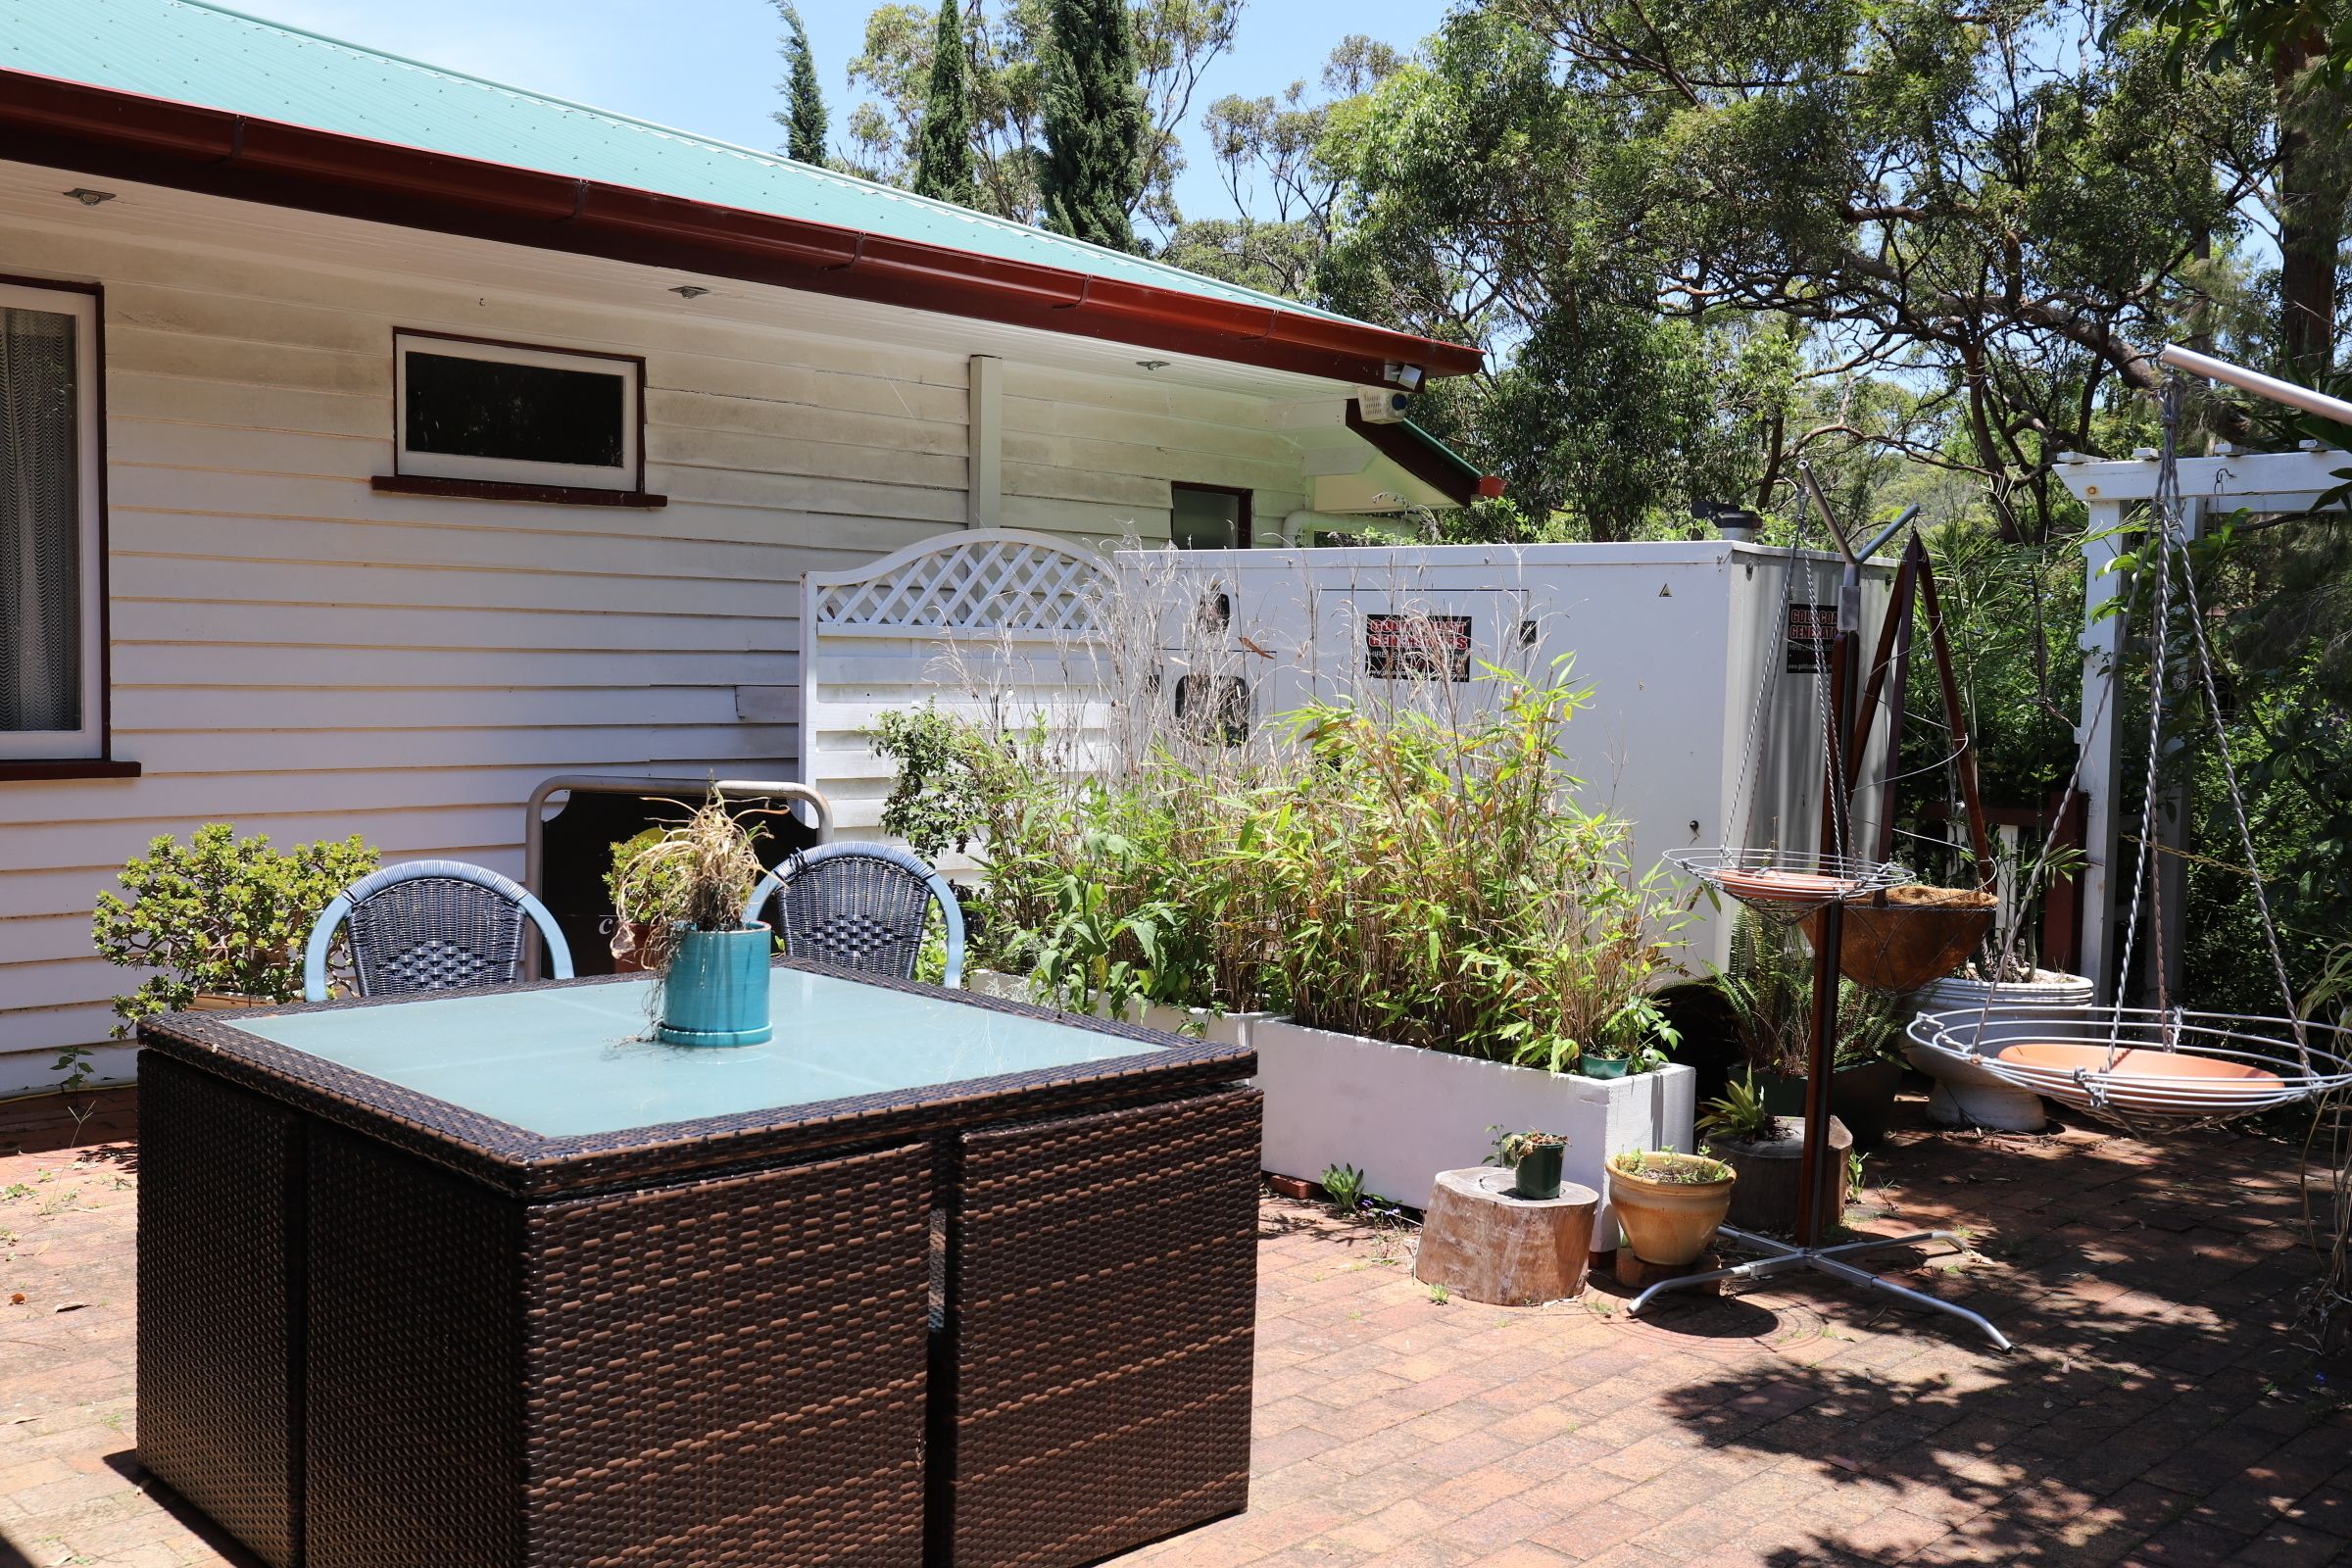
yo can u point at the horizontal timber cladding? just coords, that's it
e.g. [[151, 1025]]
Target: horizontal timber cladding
[[305, 657]]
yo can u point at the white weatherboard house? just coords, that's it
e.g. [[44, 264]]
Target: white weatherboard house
[[376, 442]]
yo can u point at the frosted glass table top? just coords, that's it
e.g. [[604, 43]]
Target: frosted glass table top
[[574, 1060]]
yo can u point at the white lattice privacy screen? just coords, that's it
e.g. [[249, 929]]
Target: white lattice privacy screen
[[992, 618]]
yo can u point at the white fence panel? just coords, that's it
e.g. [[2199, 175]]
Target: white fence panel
[[991, 618]]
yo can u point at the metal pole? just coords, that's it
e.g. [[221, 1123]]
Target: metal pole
[[2254, 381]]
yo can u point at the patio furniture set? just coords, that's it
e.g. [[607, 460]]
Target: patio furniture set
[[469, 1270]]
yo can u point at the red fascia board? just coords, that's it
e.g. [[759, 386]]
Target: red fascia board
[[75, 126]]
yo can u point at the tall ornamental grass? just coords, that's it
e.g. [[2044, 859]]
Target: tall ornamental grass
[[1435, 882]]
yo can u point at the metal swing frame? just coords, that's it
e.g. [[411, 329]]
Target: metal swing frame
[[1847, 876]]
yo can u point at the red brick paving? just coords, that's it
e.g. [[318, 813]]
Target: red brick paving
[[2159, 1410]]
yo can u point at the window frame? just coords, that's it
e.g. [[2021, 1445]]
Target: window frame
[[451, 473], [84, 751], [1243, 517]]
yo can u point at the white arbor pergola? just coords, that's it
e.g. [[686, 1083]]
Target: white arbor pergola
[[2213, 487]]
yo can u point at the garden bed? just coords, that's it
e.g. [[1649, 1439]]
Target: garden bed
[[1402, 1113]]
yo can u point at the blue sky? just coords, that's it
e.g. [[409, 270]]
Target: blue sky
[[710, 66]]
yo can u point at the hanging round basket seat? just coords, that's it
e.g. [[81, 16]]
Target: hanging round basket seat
[[2136, 1065], [1785, 886], [1901, 938]]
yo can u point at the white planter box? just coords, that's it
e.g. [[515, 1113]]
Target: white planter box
[[1195, 1023], [1401, 1114]]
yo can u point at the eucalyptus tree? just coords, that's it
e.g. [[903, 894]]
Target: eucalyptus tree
[[1985, 209]]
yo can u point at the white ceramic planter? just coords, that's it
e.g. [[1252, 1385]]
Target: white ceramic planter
[[1401, 1114], [1964, 1095]]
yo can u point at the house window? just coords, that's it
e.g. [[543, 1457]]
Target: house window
[[1209, 517], [52, 553], [498, 414]]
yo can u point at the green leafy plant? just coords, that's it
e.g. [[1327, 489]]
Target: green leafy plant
[[221, 916], [951, 783], [1344, 1186], [1437, 883], [1768, 987], [694, 876], [1739, 1113]]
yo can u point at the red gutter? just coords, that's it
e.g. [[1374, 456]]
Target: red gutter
[[96, 130]]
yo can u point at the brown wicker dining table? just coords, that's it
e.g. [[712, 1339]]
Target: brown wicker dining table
[[490, 1280]]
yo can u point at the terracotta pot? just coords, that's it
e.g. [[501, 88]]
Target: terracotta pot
[[629, 938], [1669, 1222], [226, 1002]]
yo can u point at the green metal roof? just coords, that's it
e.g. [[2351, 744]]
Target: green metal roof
[[204, 55]]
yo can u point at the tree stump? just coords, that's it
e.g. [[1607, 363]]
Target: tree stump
[[1484, 1242]]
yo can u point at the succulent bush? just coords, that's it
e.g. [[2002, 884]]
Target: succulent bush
[[219, 914]]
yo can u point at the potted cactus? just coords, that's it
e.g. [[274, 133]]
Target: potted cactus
[[1535, 1161], [682, 894]]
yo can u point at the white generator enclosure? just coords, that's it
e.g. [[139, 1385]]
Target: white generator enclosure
[[1706, 662]]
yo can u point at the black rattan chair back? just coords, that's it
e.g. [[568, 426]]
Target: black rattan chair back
[[862, 906], [433, 926]]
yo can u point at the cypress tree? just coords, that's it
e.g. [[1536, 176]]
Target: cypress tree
[[803, 115], [1095, 122], [943, 156]]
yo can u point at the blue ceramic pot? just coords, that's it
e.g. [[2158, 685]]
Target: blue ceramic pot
[[715, 990], [1602, 1066]]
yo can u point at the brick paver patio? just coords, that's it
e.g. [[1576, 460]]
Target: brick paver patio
[[2159, 1409]]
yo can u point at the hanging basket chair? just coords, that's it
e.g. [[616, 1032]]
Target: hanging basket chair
[[1901, 938], [2137, 1068]]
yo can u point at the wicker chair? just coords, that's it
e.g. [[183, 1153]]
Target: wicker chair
[[861, 906], [433, 926]]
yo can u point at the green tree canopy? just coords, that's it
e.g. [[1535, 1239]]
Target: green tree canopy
[[1005, 49], [1977, 227]]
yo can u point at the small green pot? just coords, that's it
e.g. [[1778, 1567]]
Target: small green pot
[[714, 992], [1593, 1066], [1537, 1173]]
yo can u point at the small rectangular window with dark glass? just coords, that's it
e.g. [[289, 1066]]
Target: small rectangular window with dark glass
[[1204, 516], [499, 414]]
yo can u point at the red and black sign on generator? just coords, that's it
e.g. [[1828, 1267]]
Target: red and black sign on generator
[[1812, 631], [1415, 647]]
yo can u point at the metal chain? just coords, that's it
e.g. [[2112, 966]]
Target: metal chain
[[2238, 809], [1770, 677]]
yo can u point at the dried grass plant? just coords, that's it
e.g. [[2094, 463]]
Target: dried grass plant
[[695, 876]]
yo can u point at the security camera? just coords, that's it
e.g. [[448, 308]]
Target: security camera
[[1383, 405]]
